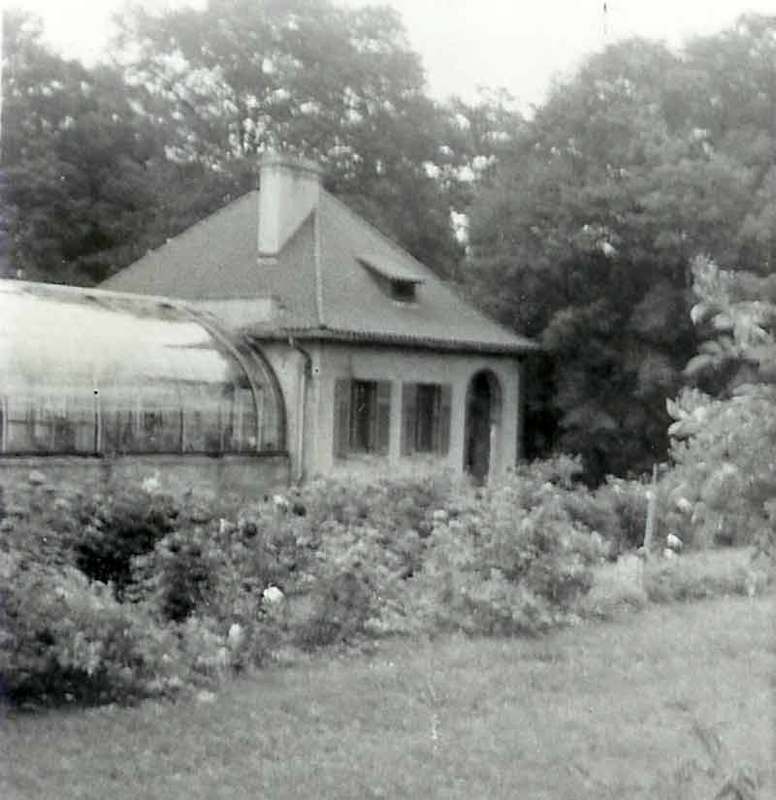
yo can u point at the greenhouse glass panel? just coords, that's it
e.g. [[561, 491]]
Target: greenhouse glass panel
[[84, 371]]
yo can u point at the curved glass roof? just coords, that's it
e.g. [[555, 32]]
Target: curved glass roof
[[95, 372]]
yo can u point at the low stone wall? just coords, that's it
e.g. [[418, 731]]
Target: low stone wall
[[246, 477]]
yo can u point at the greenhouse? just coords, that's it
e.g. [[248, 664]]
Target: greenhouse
[[94, 373]]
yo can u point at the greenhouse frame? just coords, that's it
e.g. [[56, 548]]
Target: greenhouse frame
[[91, 373]]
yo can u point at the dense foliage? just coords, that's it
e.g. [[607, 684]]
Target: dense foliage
[[79, 163], [644, 159], [723, 483], [102, 163], [336, 84], [189, 595]]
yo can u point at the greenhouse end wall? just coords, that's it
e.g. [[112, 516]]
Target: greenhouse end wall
[[245, 478], [100, 390]]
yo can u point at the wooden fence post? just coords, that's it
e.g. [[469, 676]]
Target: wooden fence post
[[649, 528]]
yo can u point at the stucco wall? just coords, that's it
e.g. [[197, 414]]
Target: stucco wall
[[296, 378], [332, 361], [245, 477]]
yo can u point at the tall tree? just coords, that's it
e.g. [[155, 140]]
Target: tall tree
[[586, 236], [307, 76], [77, 161]]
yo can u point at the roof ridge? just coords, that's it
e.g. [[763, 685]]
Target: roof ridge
[[318, 263], [314, 215]]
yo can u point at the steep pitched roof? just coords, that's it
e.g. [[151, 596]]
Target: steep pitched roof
[[328, 281]]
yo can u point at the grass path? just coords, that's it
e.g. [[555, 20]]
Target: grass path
[[592, 712]]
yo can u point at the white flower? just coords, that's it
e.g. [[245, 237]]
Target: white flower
[[151, 484], [236, 636], [674, 542], [684, 505], [222, 658], [273, 595], [36, 478]]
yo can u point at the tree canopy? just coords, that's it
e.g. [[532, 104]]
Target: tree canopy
[[103, 163], [338, 85], [643, 160], [76, 160]]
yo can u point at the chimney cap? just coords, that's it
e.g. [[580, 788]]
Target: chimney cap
[[272, 158]]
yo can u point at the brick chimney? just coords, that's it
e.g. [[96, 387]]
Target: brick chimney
[[289, 190]]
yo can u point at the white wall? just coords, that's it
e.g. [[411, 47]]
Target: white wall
[[416, 366]]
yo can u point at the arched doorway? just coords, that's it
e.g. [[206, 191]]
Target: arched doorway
[[483, 419]]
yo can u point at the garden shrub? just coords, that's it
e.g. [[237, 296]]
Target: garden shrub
[[515, 561], [393, 505], [118, 527], [64, 637], [213, 574], [161, 596], [39, 523], [353, 585], [616, 510], [627, 501], [723, 479], [633, 582]]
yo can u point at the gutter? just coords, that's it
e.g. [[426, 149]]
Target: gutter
[[517, 350]]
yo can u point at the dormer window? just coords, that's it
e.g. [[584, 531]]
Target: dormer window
[[403, 291], [396, 280]]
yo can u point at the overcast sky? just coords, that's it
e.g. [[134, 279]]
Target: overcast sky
[[514, 44]]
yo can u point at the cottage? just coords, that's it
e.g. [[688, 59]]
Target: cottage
[[279, 338], [378, 360]]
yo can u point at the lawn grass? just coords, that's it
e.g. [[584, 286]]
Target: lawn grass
[[633, 583], [595, 711]]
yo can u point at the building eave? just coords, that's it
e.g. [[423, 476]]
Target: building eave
[[384, 339]]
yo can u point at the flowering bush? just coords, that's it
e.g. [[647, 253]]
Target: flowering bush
[[118, 527], [128, 593], [64, 637], [626, 501], [393, 505], [214, 574], [722, 488], [513, 561], [353, 586], [616, 510]]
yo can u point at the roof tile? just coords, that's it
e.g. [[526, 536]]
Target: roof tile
[[333, 298]]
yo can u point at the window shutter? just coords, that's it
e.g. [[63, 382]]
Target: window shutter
[[436, 429], [383, 437], [341, 417], [445, 412], [408, 414]]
